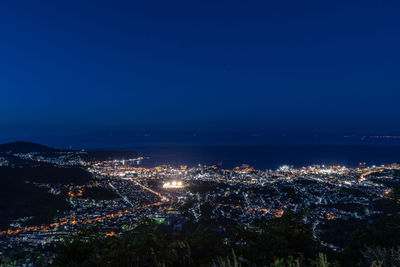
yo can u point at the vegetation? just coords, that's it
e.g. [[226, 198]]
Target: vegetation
[[45, 174], [19, 197], [260, 245], [279, 242]]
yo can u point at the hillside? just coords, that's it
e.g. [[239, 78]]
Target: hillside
[[94, 155], [25, 147], [20, 197]]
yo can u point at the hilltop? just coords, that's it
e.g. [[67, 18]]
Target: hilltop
[[25, 147], [28, 147]]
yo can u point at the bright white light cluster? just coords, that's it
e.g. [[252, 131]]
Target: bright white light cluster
[[284, 168], [173, 184]]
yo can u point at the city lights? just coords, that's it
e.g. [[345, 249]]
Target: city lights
[[173, 184]]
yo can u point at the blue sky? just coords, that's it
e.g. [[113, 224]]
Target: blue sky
[[74, 67]]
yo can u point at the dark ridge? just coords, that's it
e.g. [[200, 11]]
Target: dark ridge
[[25, 147], [46, 174], [20, 197]]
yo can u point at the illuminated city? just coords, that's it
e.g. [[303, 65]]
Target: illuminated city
[[199, 133], [242, 194]]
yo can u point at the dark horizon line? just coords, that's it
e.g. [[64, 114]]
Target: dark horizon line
[[131, 147]]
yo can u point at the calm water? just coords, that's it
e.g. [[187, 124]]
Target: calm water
[[271, 156]]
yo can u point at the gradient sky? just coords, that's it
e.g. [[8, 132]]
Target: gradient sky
[[72, 67]]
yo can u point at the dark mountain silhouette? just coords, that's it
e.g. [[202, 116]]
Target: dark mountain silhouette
[[20, 197], [25, 147]]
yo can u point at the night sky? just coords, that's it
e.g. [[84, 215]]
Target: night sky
[[307, 67]]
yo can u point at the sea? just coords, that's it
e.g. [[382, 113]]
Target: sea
[[270, 156], [228, 150]]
